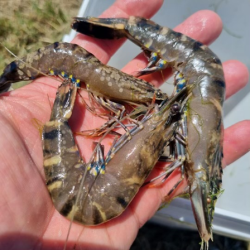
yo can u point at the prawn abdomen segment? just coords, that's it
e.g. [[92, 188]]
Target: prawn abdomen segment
[[116, 85]]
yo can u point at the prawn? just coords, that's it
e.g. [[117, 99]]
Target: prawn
[[102, 196], [200, 68], [72, 61], [103, 83]]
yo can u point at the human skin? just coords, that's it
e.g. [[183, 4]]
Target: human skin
[[28, 218]]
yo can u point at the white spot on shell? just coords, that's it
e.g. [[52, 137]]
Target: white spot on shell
[[78, 166], [203, 47], [28, 73], [132, 20], [97, 70], [102, 78], [163, 51], [164, 31], [120, 90], [216, 66], [183, 38], [20, 72], [117, 76], [21, 65], [110, 84]]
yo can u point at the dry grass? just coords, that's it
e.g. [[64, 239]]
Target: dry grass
[[26, 25]]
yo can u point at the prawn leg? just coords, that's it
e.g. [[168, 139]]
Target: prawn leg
[[97, 163]]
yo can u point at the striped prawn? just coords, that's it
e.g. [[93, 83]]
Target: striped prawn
[[106, 85], [72, 61], [92, 199], [199, 67]]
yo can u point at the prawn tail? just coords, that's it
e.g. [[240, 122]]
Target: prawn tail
[[4, 85], [53, 60], [11, 74], [20, 70], [199, 205], [204, 191], [103, 28]]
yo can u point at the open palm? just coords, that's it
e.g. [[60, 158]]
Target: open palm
[[28, 219]]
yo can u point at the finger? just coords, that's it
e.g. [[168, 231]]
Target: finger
[[104, 49], [236, 76], [204, 26], [149, 199], [236, 141]]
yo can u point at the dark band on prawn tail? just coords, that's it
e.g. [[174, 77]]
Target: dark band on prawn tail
[[6, 79], [101, 32]]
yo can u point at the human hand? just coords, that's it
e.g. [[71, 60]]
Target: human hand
[[28, 218]]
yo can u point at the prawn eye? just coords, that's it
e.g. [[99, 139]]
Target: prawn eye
[[159, 94], [175, 108]]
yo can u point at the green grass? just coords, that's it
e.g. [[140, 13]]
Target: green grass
[[26, 25]]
